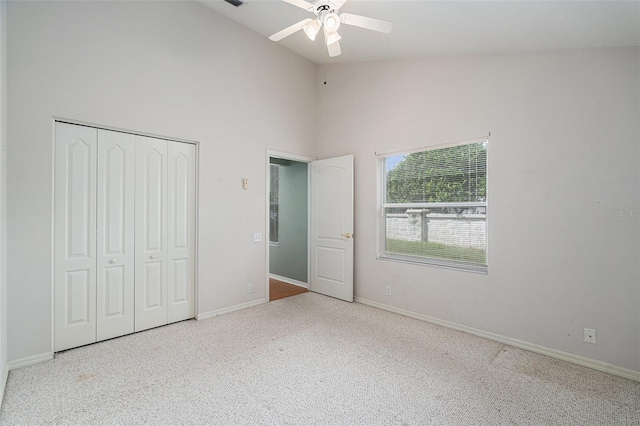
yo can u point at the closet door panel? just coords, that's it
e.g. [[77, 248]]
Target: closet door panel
[[150, 232], [75, 236], [181, 231], [115, 235]]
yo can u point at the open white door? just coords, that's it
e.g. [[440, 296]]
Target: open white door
[[332, 227]]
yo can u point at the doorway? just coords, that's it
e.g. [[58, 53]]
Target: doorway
[[329, 224], [288, 217]]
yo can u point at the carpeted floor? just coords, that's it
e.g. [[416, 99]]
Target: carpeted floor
[[308, 360]]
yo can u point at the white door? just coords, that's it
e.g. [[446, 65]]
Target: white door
[[75, 236], [181, 231], [115, 236], [124, 219], [150, 233], [332, 227]]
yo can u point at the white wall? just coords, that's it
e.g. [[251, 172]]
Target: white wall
[[564, 149], [3, 196], [173, 69]]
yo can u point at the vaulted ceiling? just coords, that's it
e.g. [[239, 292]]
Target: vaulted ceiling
[[437, 28]]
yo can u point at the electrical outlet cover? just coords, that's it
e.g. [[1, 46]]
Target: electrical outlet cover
[[590, 335]]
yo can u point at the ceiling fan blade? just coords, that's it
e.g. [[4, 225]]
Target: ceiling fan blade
[[289, 30], [365, 22], [334, 49], [302, 4]]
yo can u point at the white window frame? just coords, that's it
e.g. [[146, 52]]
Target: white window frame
[[382, 206]]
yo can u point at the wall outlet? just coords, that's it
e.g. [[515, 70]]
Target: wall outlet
[[257, 237], [249, 288], [590, 335], [387, 290]]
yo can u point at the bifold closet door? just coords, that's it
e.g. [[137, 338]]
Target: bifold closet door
[[151, 233], [165, 232], [75, 236], [124, 243], [181, 231], [115, 236], [94, 246]]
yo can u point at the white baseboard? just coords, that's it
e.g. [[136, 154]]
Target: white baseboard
[[30, 360], [211, 314], [586, 362], [3, 383], [289, 281]]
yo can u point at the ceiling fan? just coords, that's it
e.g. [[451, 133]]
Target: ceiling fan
[[329, 21]]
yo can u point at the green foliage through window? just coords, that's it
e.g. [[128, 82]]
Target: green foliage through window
[[454, 174], [439, 250]]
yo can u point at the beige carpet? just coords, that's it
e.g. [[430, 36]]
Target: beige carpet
[[309, 360]]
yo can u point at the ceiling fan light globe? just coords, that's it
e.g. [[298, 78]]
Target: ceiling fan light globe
[[331, 22], [311, 29], [332, 38]]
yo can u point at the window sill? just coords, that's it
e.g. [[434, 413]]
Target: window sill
[[475, 269]]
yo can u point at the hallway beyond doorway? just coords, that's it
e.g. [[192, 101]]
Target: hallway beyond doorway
[[280, 290]]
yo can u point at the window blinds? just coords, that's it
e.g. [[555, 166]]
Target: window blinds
[[434, 206]]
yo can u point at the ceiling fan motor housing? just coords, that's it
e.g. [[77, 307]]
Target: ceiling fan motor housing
[[331, 22]]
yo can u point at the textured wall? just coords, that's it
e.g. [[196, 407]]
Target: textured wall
[[563, 151], [3, 191], [174, 69]]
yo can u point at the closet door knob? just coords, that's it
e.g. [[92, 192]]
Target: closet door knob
[[153, 256], [113, 261]]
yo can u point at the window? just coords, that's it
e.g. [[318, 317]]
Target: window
[[273, 205], [434, 206]]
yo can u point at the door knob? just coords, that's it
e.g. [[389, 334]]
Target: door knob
[[113, 261], [153, 256], [347, 235]]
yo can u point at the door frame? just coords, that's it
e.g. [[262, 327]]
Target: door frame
[[54, 120], [300, 159]]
